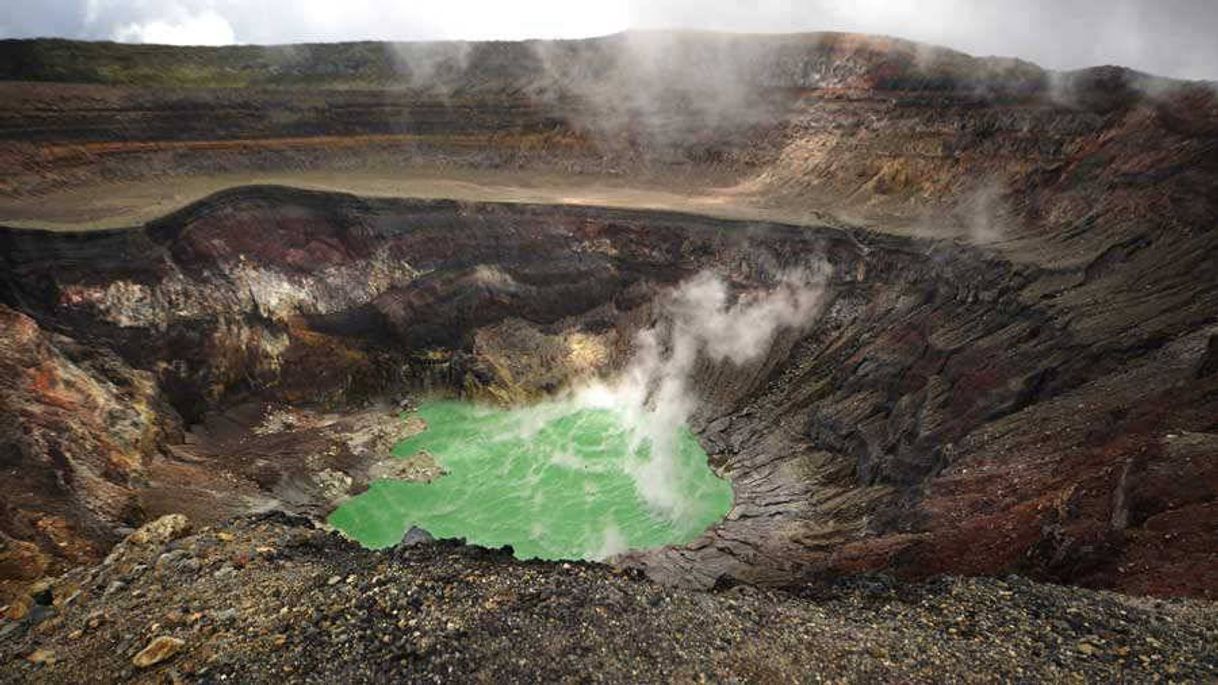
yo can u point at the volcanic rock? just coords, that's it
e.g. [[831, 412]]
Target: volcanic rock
[[161, 648]]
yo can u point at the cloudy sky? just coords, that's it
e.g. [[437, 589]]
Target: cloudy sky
[[1169, 37]]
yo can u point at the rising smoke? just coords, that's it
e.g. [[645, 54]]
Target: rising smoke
[[436, 68], [664, 87], [700, 318], [985, 212], [653, 90]]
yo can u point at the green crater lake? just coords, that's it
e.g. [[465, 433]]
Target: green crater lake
[[555, 481]]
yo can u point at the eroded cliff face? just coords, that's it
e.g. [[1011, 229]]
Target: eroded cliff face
[[948, 411], [80, 427]]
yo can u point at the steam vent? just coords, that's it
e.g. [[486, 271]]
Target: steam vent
[[661, 356]]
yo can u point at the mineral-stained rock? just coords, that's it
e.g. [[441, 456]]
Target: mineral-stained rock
[[41, 656], [78, 427], [421, 467], [165, 529], [333, 484], [21, 560], [159, 649]]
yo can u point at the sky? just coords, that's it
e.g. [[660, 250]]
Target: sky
[[1167, 37]]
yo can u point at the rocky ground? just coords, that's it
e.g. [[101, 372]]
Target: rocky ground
[[273, 599]]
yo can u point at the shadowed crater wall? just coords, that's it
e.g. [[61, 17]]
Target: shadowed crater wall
[[948, 410]]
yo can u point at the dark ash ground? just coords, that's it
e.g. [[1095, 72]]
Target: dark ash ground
[[273, 599]]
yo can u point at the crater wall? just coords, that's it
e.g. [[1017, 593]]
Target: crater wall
[[948, 411]]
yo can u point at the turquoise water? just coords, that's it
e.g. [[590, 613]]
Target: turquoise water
[[556, 481]]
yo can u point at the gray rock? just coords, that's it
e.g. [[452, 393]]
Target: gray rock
[[416, 536]]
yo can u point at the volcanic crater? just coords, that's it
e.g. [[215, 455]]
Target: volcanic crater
[[1011, 368]]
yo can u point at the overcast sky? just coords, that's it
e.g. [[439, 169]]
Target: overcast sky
[[1169, 37]]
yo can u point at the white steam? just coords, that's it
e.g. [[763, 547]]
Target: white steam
[[180, 28], [985, 213], [699, 319], [666, 87]]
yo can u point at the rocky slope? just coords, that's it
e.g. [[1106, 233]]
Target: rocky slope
[[273, 600]]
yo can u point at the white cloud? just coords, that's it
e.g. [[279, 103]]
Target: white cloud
[[205, 28], [283, 21]]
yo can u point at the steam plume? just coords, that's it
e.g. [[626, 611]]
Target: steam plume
[[698, 319]]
